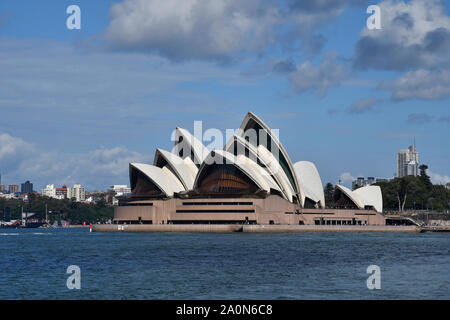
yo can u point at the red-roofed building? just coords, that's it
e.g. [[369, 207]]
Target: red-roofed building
[[62, 192]]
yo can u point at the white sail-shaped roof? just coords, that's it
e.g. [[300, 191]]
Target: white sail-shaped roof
[[365, 196], [352, 196], [309, 182], [242, 145], [260, 171], [274, 166], [263, 168], [252, 121], [189, 146], [224, 157], [191, 167], [161, 178], [175, 183], [184, 169], [371, 196]]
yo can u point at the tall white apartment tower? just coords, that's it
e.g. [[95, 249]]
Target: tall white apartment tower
[[76, 192], [408, 162]]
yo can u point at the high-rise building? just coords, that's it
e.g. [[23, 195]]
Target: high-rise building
[[76, 192], [2, 186], [411, 168], [26, 187], [408, 162], [13, 188]]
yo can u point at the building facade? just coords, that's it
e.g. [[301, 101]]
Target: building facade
[[363, 182], [115, 191], [13, 188], [49, 191], [408, 162], [61, 193], [120, 189], [26, 187], [76, 192]]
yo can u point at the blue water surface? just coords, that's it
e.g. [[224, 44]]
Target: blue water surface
[[33, 264]]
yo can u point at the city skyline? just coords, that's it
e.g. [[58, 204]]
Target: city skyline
[[104, 102], [404, 157]]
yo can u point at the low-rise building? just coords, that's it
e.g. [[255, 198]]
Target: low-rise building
[[26, 196], [115, 191], [120, 188], [363, 182], [49, 191], [7, 195], [61, 193]]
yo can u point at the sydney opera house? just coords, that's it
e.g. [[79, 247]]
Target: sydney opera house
[[252, 180]]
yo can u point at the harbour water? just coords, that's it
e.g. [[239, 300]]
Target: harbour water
[[33, 264]]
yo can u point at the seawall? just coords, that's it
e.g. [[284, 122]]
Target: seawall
[[166, 228], [224, 228]]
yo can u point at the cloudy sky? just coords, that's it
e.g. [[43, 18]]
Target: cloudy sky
[[76, 106]]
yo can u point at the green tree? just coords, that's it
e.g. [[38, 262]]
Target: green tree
[[424, 177], [412, 192], [329, 191], [75, 212]]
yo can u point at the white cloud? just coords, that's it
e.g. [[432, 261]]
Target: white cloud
[[421, 84], [12, 149], [95, 169], [437, 178], [346, 178], [362, 105], [327, 74], [414, 34], [415, 38], [11, 146], [192, 28], [220, 29]]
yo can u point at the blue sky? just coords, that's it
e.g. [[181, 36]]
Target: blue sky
[[77, 105]]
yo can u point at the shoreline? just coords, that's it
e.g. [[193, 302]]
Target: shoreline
[[228, 228]]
